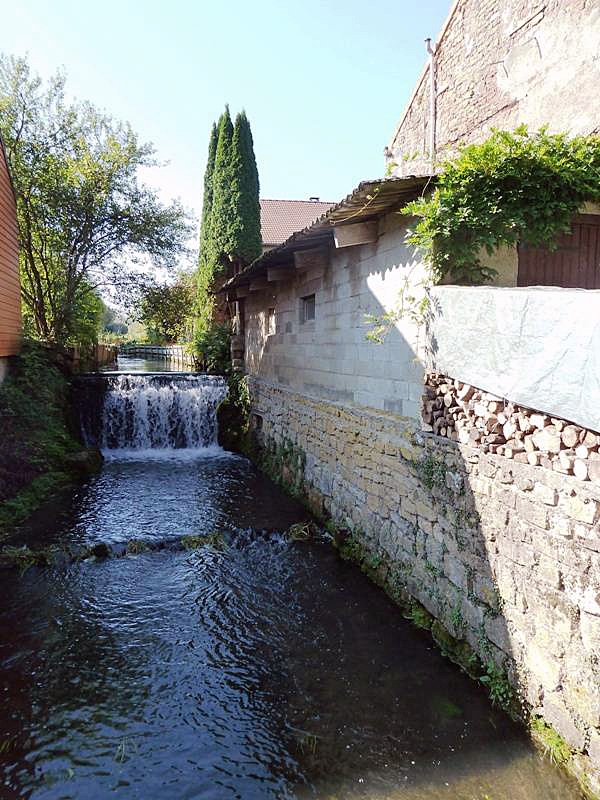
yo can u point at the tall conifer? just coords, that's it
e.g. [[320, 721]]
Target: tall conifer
[[223, 209], [246, 238], [208, 193]]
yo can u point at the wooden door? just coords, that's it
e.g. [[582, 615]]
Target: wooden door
[[574, 264]]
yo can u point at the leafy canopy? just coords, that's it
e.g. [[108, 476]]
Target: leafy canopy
[[82, 211], [164, 310], [514, 187]]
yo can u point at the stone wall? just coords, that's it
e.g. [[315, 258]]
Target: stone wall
[[505, 557], [502, 64]]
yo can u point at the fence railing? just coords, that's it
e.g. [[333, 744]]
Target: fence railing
[[175, 353]]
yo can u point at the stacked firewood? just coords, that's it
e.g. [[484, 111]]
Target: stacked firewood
[[471, 416]]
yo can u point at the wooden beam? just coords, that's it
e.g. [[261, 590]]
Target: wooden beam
[[241, 292], [314, 260], [259, 284], [352, 235], [279, 273]]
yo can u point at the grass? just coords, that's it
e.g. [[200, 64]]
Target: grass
[[554, 746]]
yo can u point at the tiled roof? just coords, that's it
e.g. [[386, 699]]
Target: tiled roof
[[280, 218]]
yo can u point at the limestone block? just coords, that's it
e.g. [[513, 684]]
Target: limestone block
[[581, 509], [541, 662], [590, 633], [455, 571], [546, 494], [496, 630], [555, 712]]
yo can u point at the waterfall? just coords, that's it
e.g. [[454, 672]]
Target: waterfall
[[150, 412]]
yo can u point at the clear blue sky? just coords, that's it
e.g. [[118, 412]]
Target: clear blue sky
[[323, 83]]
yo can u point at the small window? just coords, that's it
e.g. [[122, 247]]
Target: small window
[[307, 308], [271, 324]]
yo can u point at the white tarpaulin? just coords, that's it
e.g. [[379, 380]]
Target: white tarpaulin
[[536, 346]]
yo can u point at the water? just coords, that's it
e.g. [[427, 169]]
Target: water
[[265, 669], [160, 411]]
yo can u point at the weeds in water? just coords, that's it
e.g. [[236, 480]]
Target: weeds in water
[[299, 532], [136, 546], [420, 617], [554, 745], [215, 540], [308, 743]]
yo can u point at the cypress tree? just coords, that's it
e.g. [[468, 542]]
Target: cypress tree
[[246, 242], [223, 210], [207, 200]]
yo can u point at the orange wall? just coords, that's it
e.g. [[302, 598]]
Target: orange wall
[[10, 295]]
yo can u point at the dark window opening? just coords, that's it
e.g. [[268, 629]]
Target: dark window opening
[[307, 308]]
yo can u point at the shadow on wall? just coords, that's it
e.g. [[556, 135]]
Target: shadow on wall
[[472, 545]]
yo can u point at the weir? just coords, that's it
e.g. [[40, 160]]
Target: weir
[[149, 411]]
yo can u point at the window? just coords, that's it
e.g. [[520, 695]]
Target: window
[[271, 323], [307, 308]]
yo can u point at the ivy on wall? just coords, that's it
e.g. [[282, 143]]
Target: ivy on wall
[[516, 186]]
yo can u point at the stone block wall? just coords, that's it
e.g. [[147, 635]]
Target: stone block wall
[[505, 557], [500, 64], [329, 356]]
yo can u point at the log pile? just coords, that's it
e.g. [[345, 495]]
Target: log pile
[[471, 416]]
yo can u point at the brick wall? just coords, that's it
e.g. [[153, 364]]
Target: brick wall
[[10, 294], [504, 556], [500, 64]]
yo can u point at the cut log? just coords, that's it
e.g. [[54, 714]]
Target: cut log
[[580, 470]]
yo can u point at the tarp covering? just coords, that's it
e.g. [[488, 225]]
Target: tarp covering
[[536, 346]]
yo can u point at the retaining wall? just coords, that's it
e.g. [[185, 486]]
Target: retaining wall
[[504, 556]]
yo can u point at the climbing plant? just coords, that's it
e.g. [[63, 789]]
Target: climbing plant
[[517, 186]]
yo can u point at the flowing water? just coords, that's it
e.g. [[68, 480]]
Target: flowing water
[[260, 669]]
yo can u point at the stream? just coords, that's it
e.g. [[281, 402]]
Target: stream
[[258, 668]]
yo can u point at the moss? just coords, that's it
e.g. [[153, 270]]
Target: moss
[[432, 472], [215, 540], [136, 546], [554, 746]]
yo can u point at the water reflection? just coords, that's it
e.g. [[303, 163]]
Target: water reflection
[[265, 670]]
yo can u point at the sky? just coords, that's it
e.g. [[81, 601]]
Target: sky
[[323, 82]]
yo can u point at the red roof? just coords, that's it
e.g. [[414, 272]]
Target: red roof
[[280, 218]]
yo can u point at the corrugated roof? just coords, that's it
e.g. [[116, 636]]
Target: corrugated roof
[[280, 218], [370, 200]]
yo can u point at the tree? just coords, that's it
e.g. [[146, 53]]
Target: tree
[[82, 211], [208, 193], [164, 309], [246, 243], [230, 236]]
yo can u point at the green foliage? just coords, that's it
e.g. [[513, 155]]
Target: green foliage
[[165, 310], [554, 745], [34, 434], [214, 540], [514, 187], [432, 472], [81, 208], [496, 681], [419, 616], [246, 236], [212, 348], [230, 236]]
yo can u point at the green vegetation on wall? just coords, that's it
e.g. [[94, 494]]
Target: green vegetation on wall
[[36, 443], [514, 187]]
